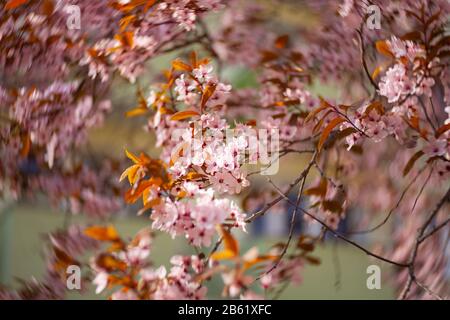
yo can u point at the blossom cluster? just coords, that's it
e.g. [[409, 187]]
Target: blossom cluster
[[128, 265], [196, 215]]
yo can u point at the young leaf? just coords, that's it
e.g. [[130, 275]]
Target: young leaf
[[326, 132], [26, 145], [207, 93], [313, 113], [101, 233], [149, 4], [319, 190], [185, 114], [110, 263], [411, 162], [282, 41], [231, 249], [376, 72], [383, 48], [181, 66], [442, 130], [306, 243], [47, 7], [132, 157]]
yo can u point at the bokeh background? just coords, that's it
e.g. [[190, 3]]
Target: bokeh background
[[341, 274]]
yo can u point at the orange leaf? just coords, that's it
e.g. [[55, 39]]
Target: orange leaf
[[135, 112], [181, 66], [185, 114], [134, 193], [326, 132], [130, 173], [125, 21], [412, 161], [282, 41], [207, 93], [229, 241], [12, 4], [110, 263], [442, 130], [101, 233], [26, 145], [250, 263], [223, 255], [149, 4], [62, 260], [231, 246], [383, 48], [148, 204], [193, 59], [132, 157], [125, 39], [376, 72], [319, 190]]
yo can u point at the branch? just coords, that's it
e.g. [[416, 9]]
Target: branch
[[363, 59], [342, 237], [419, 240], [436, 229], [293, 218], [393, 208], [428, 290], [291, 186]]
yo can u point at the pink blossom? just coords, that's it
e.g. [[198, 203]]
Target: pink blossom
[[435, 147]]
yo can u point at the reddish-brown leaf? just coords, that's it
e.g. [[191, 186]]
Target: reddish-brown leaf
[[267, 56], [412, 161], [326, 132], [319, 190], [282, 41], [332, 205], [442, 130], [26, 145], [313, 260], [207, 93], [375, 105], [305, 243], [313, 113]]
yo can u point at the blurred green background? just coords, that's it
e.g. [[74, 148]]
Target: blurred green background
[[341, 275]]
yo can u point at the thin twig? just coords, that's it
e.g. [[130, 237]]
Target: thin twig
[[392, 209], [363, 59], [418, 241], [276, 200], [342, 237], [293, 218], [434, 230]]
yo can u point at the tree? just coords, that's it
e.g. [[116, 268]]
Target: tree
[[379, 154]]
